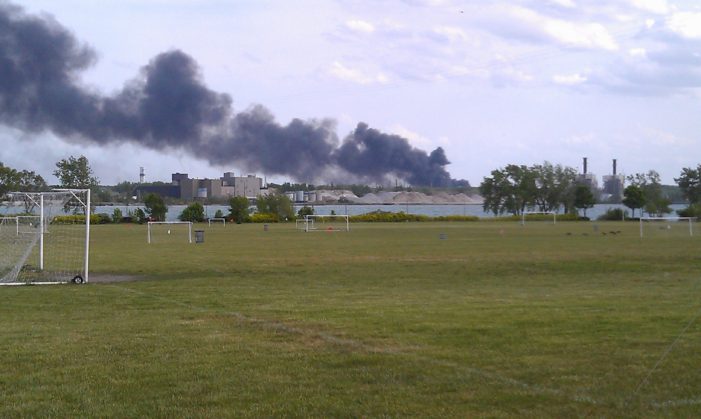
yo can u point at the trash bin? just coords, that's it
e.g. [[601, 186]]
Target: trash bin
[[199, 236], [265, 227]]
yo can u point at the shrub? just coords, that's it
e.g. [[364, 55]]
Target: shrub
[[612, 214], [102, 218], [117, 215], [264, 217], [693, 210], [194, 213]]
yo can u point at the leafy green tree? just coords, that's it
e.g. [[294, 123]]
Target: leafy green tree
[[304, 211], [238, 209], [656, 203], [583, 198], [689, 182], [156, 208], [117, 215], [512, 190], [139, 216], [633, 197], [75, 173], [553, 184], [194, 213], [278, 205]]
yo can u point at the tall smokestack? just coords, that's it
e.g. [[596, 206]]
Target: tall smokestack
[[141, 175], [585, 166], [614, 167]]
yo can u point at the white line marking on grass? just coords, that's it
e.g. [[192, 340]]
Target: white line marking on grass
[[327, 337], [676, 403], [664, 355]]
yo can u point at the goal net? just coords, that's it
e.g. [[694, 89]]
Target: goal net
[[216, 221], [169, 232], [44, 237], [328, 223], [304, 223], [667, 226], [549, 217]]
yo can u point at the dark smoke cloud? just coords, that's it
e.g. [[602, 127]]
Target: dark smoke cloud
[[167, 106]]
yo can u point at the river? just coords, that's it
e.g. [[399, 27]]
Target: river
[[353, 209]]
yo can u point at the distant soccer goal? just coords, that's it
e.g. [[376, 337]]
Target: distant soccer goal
[[667, 226], [303, 223], [326, 223], [45, 237], [547, 216], [217, 221], [169, 232]]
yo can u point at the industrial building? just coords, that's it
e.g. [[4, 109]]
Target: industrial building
[[185, 188]]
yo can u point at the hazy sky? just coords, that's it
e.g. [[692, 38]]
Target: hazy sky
[[492, 82]]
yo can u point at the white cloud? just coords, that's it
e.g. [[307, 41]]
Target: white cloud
[[360, 26], [564, 3], [356, 76], [453, 34], [686, 24], [569, 79], [654, 6], [638, 52], [526, 24], [580, 35]]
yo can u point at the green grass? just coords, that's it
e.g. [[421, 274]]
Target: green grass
[[388, 320]]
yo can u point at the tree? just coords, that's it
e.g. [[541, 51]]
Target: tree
[[194, 213], [512, 190], [117, 215], [156, 209], [656, 203], [554, 184], [238, 209], [21, 181], [689, 182], [75, 173], [304, 211], [633, 197], [278, 205], [583, 198]]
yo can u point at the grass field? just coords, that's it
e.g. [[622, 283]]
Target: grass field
[[388, 320]]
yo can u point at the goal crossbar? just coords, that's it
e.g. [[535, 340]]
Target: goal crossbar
[[188, 223], [318, 222], [49, 204], [689, 220]]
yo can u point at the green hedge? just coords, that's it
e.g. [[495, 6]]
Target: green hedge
[[264, 217]]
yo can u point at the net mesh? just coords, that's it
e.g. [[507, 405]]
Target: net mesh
[[671, 227], [54, 253]]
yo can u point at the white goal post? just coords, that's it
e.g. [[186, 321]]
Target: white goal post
[[221, 220], [667, 224], [527, 213], [152, 224], [326, 223], [45, 237]]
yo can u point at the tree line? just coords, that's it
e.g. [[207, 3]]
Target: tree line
[[515, 189]]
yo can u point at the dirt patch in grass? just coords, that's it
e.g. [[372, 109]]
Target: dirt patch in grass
[[108, 278]]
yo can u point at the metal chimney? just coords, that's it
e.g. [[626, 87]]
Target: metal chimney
[[141, 175], [585, 165], [614, 167]]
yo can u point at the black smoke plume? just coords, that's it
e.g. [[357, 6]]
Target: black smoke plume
[[168, 106]]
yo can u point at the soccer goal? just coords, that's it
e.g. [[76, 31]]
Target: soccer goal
[[45, 237], [328, 223], [548, 216], [303, 223], [217, 221], [169, 232], [667, 226]]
